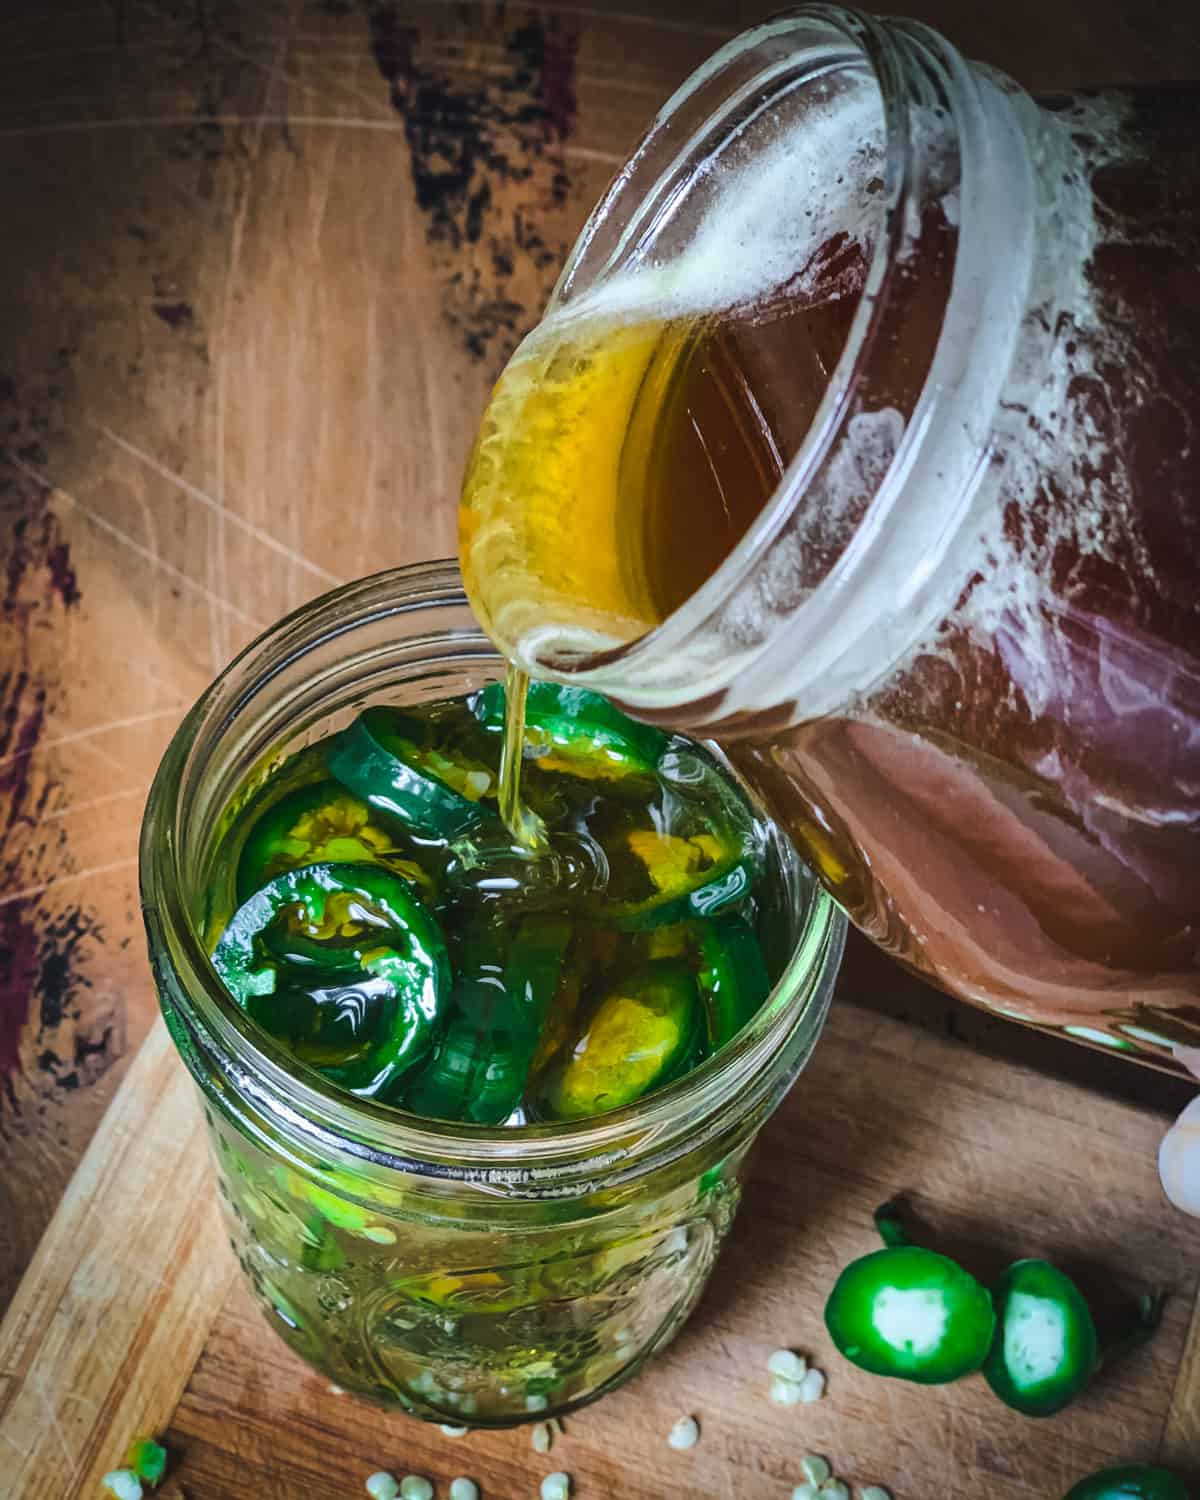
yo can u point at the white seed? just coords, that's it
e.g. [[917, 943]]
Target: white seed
[[834, 1489], [415, 1487], [805, 1491], [536, 1403], [815, 1469], [812, 1387], [874, 1492], [124, 1484], [337, 1390], [685, 1434], [542, 1437], [556, 1486], [382, 1486], [785, 1392], [477, 784], [451, 1429], [787, 1365], [463, 1489], [380, 1233]]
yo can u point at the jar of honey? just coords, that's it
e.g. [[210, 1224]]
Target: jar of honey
[[862, 434]]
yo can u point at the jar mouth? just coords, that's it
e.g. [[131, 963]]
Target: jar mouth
[[208, 1024], [951, 141]]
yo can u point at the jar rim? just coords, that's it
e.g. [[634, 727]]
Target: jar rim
[[316, 1114]]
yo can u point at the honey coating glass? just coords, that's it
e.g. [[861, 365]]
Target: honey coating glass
[[956, 648]]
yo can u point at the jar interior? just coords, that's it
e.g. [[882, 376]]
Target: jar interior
[[372, 644]]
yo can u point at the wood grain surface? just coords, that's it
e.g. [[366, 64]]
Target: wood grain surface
[[263, 260], [118, 1301]]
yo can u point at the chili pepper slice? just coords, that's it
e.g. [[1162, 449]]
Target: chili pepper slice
[[386, 758], [1047, 1349], [361, 1029], [479, 1070], [639, 1037], [573, 730], [692, 877], [733, 977], [1131, 1482], [909, 1312], [321, 823]]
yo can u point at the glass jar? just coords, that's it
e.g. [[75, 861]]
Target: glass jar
[[462, 1273], [956, 648]]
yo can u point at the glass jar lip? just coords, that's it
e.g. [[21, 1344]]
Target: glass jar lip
[[320, 1115]]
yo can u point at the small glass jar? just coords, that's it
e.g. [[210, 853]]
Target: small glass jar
[[463, 1273]]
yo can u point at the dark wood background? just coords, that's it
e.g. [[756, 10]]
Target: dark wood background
[[262, 262]]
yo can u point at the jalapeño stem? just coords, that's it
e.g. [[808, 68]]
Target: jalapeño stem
[[889, 1224], [1139, 1330]]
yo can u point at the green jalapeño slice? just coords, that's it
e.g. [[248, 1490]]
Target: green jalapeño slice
[[393, 761], [343, 964], [572, 730], [909, 1312], [479, 1070], [321, 824], [732, 975], [691, 876], [642, 1034], [1047, 1349]]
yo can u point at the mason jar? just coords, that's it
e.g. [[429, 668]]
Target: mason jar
[[932, 349], [466, 1274]]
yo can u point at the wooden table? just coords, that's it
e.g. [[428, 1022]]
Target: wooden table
[[262, 262]]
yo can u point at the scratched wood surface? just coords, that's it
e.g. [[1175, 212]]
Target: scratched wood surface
[[262, 261], [117, 1304]]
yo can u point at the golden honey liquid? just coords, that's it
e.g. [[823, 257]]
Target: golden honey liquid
[[620, 462], [522, 822]]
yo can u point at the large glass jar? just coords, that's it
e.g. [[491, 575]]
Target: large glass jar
[[463, 1273], [954, 639]]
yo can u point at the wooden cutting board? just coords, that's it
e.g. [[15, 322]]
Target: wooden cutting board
[[132, 1318], [263, 259]]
